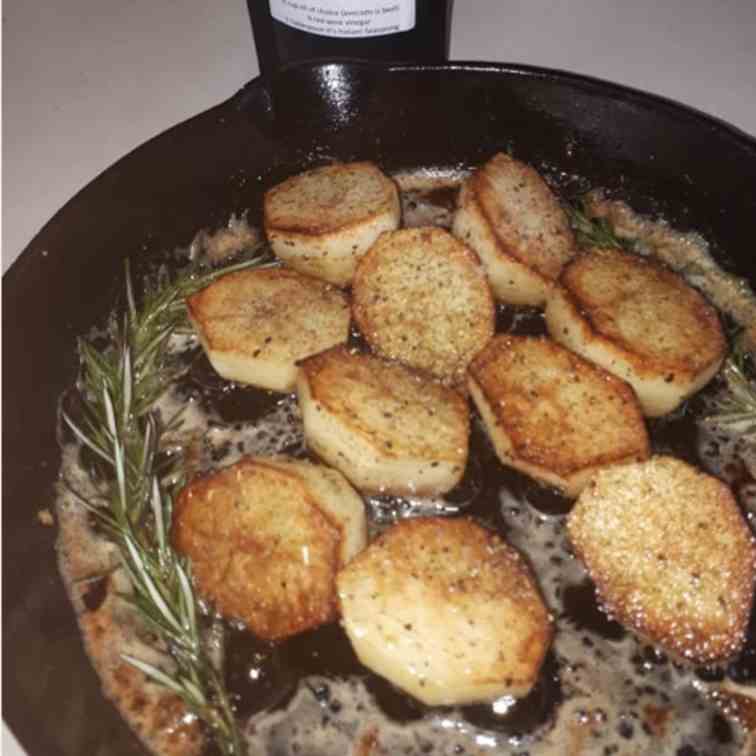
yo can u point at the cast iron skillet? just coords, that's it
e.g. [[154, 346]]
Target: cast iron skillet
[[662, 157]]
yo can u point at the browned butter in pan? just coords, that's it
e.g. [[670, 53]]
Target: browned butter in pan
[[600, 691]]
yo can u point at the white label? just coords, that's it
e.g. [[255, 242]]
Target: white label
[[346, 18]]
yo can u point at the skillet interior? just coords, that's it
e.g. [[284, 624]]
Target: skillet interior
[[660, 156]]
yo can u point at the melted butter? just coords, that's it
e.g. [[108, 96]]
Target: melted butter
[[601, 690]]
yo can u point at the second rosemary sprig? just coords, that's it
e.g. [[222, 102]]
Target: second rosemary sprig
[[735, 407], [594, 232]]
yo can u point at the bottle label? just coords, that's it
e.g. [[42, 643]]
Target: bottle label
[[346, 18]]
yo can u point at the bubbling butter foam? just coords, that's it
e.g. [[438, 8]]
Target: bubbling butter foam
[[601, 691]]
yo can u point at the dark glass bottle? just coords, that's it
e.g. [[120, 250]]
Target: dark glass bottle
[[287, 31]]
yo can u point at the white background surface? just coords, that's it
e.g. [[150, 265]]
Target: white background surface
[[86, 81]]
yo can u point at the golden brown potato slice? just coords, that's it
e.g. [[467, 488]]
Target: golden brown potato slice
[[511, 218], [266, 537], [639, 321], [388, 428], [255, 324], [552, 414], [420, 296], [322, 221], [671, 556], [446, 611]]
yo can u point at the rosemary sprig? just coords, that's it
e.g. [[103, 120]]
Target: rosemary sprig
[[594, 232], [735, 408], [119, 385]]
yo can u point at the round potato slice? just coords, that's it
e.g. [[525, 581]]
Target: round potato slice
[[255, 324], [640, 321], [266, 537], [552, 414], [446, 611], [509, 216], [421, 297], [388, 428], [322, 221], [671, 556]]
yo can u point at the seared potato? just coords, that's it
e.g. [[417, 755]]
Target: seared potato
[[552, 414], [671, 556], [266, 537], [446, 611], [639, 321], [510, 217], [322, 221], [420, 296], [255, 324], [388, 428]]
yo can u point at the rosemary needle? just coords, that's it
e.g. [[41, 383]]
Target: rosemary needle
[[119, 385]]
